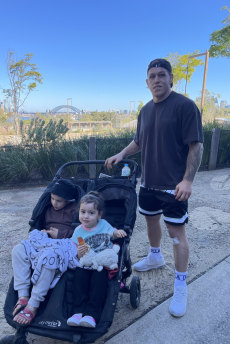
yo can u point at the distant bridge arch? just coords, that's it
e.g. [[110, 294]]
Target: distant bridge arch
[[67, 108]]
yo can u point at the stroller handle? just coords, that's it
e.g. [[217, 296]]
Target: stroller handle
[[100, 162]]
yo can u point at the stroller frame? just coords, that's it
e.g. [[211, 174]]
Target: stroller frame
[[107, 186]]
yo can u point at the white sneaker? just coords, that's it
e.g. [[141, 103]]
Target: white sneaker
[[149, 263], [88, 321], [74, 320], [178, 303]]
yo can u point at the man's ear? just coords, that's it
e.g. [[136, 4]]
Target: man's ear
[[171, 80], [147, 83]]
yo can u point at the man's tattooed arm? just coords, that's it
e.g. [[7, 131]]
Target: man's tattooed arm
[[193, 160]]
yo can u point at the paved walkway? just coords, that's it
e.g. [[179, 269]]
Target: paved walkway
[[206, 320]]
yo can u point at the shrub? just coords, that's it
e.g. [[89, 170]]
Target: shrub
[[40, 132], [41, 161]]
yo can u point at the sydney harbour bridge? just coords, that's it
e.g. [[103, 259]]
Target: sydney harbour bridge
[[66, 109]]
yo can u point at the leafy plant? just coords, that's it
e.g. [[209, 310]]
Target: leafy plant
[[40, 132], [221, 39]]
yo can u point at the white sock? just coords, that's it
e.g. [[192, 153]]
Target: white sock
[[180, 279], [155, 252]]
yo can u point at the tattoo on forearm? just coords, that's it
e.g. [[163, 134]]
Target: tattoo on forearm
[[193, 160]]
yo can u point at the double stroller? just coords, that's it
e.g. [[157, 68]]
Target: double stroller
[[120, 198]]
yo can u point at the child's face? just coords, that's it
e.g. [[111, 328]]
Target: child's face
[[58, 202], [89, 215]]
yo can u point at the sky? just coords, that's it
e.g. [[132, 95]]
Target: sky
[[96, 52]]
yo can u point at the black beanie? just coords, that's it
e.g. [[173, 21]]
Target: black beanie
[[65, 189]]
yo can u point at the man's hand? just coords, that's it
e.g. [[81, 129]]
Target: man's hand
[[131, 149], [82, 249], [115, 159], [183, 190], [52, 232]]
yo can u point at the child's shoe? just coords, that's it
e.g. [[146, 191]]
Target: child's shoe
[[74, 320], [88, 321]]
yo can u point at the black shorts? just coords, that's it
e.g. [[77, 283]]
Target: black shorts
[[155, 202]]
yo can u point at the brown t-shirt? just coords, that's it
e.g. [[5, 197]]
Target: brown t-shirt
[[61, 219], [164, 131]]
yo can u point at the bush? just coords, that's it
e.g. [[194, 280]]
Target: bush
[[108, 146], [223, 157], [23, 164], [42, 161], [40, 132], [15, 164]]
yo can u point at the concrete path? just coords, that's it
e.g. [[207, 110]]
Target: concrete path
[[206, 320]]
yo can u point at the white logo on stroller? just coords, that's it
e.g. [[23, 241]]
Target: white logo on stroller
[[54, 323]]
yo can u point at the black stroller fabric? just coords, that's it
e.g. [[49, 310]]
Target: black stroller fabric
[[50, 321]]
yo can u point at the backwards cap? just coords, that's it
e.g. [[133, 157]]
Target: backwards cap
[[160, 63]]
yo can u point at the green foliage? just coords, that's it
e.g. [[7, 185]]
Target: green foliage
[[207, 147], [41, 162], [221, 39], [223, 157], [211, 110], [23, 78], [15, 164], [221, 42], [141, 104], [111, 116], [110, 145], [181, 68], [50, 157], [40, 132], [3, 117]]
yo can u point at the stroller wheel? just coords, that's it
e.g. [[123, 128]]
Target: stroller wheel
[[135, 292], [7, 340]]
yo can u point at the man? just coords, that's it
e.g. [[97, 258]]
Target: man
[[169, 136]]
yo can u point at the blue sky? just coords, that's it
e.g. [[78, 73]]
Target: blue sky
[[97, 51]]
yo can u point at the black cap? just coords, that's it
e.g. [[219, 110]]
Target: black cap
[[65, 189], [160, 63]]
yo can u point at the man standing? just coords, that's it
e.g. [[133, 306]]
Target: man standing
[[169, 136]]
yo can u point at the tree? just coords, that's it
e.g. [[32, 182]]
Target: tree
[[99, 116], [221, 39], [211, 108], [23, 77], [181, 69], [139, 107]]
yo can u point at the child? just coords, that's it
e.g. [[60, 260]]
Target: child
[[90, 286], [33, 252]]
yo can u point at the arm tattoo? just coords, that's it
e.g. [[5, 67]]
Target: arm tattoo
[[193, 160], [131, 149]]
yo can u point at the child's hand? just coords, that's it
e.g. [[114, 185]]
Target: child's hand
[[52, 232], [82, 249], [119, 233]]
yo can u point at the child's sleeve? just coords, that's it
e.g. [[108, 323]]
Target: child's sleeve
[[111, 230], [75, 235], [107, 227]]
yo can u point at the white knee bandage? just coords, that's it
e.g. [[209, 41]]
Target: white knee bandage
[[175, 241]]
